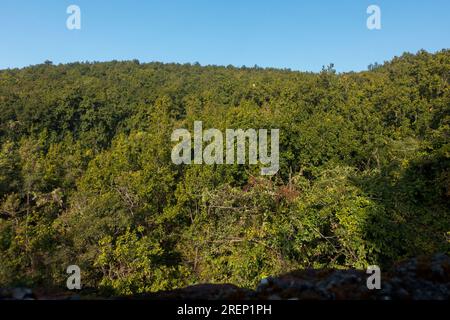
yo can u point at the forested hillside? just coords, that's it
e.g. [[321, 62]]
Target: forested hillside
[[86, 175]]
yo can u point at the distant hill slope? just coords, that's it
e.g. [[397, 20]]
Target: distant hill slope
[[86, 175]]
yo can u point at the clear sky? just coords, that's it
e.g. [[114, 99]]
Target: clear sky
[[301, 35]]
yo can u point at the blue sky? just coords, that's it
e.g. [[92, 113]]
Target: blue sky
[[301, 35]]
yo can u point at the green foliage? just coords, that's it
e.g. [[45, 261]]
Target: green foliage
[[86, 176], [134, 264]]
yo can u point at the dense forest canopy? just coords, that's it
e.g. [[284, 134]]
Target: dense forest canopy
[[86, 176]]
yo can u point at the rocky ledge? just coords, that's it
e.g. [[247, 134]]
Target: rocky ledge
[[424, 278]]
